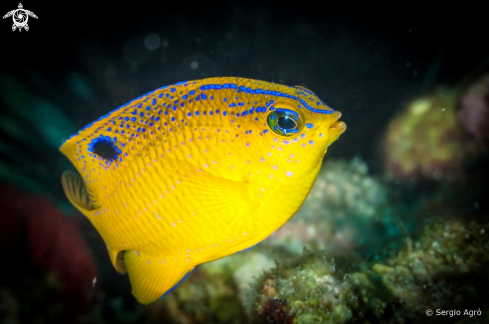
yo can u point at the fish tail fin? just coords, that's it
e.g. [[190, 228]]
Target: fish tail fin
[[77, 193], [153, 276]]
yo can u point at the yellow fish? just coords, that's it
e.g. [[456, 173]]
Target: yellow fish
[[196, 171]]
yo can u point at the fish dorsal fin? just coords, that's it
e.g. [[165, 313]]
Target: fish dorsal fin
[[77, 193], [154, 276], [302, 87]]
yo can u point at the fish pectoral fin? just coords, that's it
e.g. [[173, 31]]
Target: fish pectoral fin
[[77, 193], [153, 276], [215, 195]]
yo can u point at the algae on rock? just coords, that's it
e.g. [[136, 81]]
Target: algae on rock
[[444, 269]]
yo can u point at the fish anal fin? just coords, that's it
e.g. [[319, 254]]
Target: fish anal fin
[[153, 276], [77, 193]]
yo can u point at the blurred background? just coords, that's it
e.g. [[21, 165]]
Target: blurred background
[[395, 225]]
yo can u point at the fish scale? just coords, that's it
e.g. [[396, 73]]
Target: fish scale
[[195, 171]]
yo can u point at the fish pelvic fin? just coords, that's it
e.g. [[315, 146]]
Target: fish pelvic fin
[[119, 263], [154, 276], [77, 193]]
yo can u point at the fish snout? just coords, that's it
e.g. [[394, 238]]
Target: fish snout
[[334, 127], [335, 116]]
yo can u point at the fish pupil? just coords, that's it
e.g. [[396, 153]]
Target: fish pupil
[[105, 150], [286, 123]]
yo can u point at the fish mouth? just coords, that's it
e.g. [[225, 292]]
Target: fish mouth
[[335, 116], [334, 128], [337, 126]]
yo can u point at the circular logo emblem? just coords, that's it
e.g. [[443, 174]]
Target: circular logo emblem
[[20, 17]]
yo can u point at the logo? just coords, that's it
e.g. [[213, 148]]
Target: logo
[[20, 17]]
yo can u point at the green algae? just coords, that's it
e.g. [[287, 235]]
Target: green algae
[[443, 269]]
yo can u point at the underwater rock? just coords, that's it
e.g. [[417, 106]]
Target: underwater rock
[[274, 311], [426, 142], [51, 271], [311, 290], [473, 108], [444, 269], [473, 116]]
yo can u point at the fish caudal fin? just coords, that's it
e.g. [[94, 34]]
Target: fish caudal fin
[[77, 193], [152, 277]]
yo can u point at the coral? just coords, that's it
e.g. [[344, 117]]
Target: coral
[[444, 269], [39, 243], [425, 141]]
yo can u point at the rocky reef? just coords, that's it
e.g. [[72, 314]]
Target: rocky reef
[[425, 142], [473, 107], [442, 270]]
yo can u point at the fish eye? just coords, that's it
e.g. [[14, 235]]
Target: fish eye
[[284, 122]]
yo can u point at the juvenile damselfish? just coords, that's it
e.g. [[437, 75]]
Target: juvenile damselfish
[[196, 171]]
